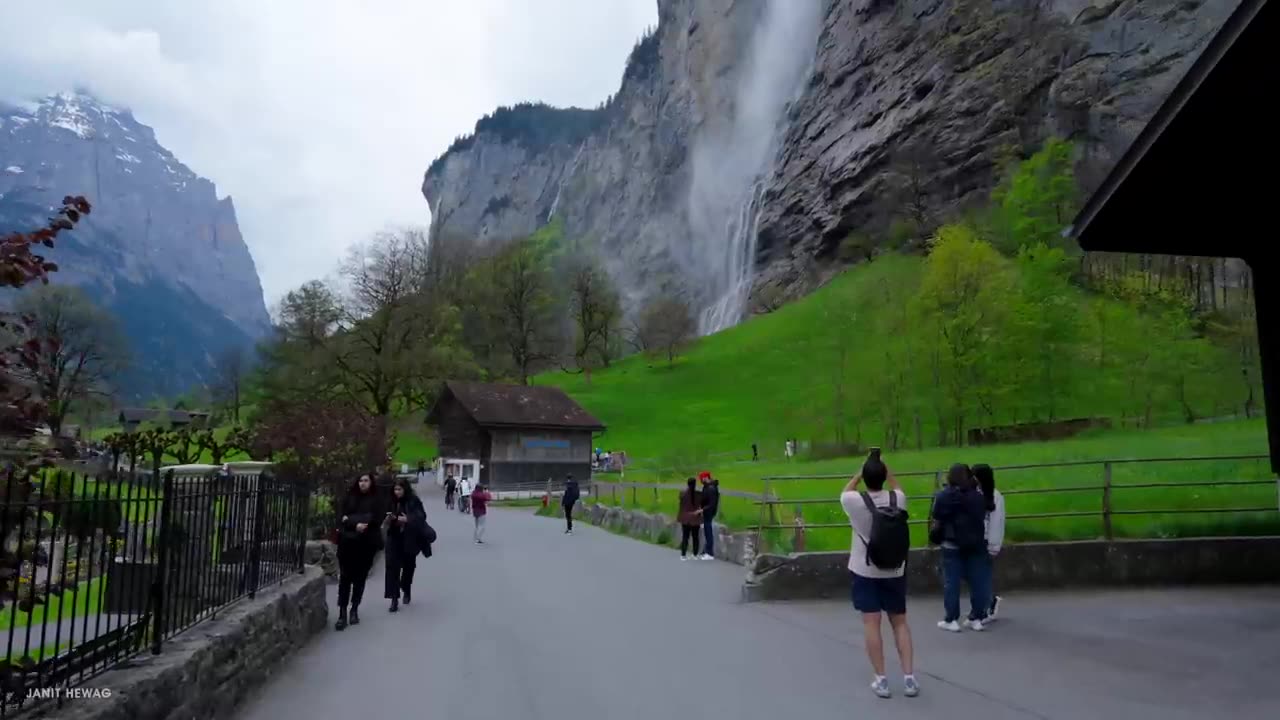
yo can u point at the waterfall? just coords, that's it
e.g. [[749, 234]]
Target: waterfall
[[731, 163], [564, 177]]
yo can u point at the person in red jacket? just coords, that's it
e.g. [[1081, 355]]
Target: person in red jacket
[[480, 510]]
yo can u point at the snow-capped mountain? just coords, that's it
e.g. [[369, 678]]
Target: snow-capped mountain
[[155, 225]]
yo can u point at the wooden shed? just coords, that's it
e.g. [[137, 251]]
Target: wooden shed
[[519, 434]]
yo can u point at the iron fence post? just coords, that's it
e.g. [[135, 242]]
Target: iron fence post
[[303, 498], [798, 543], [160, 583], [1106, 501], [255, 548]]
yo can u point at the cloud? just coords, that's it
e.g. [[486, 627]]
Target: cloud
[[318, 116]]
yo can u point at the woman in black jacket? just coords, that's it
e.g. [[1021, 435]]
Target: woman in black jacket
[[358, 541], [405, 524]]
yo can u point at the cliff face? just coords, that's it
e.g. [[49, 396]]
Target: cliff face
[[160, 249], [919, 94], [169, 221]]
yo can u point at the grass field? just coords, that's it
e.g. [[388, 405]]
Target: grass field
[[83, 600], [771, 378], [1187, 441]]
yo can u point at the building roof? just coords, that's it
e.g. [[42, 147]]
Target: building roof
[[534, 406], [1167, 193]]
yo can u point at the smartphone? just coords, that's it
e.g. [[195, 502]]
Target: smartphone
[[875, 453]]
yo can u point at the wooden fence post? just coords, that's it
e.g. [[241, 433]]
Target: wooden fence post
[[798, 544], [1106, 502], [635, 500], [655, 495], [937, 481]]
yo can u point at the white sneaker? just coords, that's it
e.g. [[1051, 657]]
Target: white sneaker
[[952, 626], [995, 609], [684, 558], [975, 625], [706, 557], [910, 687], [880, 686]]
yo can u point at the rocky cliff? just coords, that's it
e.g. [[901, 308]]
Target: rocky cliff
[[918, 96], [161, 248]]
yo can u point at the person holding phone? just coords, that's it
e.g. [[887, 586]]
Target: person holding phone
[[710, 501], [480, 498], [358, 541], [878, 567], [405, 525]]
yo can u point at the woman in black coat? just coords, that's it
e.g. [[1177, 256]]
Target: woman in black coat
[[358, 541], [406, 526]]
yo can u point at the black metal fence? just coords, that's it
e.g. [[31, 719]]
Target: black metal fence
[[94, 569]]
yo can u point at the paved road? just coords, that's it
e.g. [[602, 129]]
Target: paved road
[[539, 625]]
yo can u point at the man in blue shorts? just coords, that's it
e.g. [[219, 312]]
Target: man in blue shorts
[[877, 590]]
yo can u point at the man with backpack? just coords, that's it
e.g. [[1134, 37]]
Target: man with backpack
[[877, 566]]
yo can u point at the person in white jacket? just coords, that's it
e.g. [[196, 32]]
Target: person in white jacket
[[994, 526]]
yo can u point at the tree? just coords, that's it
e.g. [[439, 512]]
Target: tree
[[20, 407], [665, 326], [1039, 199], [523, 305], [1046, 330], [963, 295], [325, 442], [596, 310], [84, 349], [231, 367]]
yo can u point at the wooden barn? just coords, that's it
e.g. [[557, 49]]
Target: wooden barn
[[519, 434]]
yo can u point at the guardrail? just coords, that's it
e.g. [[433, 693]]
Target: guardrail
[[94, 569], [1107, 490], [611, 487]]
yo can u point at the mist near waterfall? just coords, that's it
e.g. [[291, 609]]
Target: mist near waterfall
[[731, 162]]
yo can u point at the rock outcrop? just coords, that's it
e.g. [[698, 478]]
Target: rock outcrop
[[161, 248], [916, 96]]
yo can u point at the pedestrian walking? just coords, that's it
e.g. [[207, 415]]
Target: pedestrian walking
[[571, 494], [994, 528], [878, 567], [755, 452], [710, 502], [690, 519], [358, 543], [480, 510], [450, 490], [406, 528], [959, 516], [464, 496]]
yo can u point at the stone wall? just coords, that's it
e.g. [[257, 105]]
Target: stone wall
[[731, 547], [1091, 563], [207, 671]]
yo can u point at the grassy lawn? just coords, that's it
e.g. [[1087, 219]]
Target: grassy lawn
[[70, 604], [1234, 438]]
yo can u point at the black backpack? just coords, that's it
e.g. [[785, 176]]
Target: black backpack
[[890, 539]]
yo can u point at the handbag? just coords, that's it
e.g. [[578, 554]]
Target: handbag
[[428, 533]]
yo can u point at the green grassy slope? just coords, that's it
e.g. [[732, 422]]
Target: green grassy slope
[[771, 378]]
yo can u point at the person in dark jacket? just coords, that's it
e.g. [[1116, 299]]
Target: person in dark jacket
[[358, 541], [710, 500], [960, 511], [405, 525], [571, 495], [450, 487], [690, 518]]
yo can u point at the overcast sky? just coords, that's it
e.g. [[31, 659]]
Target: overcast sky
[[318, 116]]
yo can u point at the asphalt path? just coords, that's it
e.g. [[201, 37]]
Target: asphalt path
[[536, 624]]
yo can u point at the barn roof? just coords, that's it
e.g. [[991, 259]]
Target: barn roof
[[534, 406]]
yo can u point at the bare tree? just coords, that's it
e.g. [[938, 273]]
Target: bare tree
[[230, 367], [595, 309], [83, 349], [665, 327], [523, 302]]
